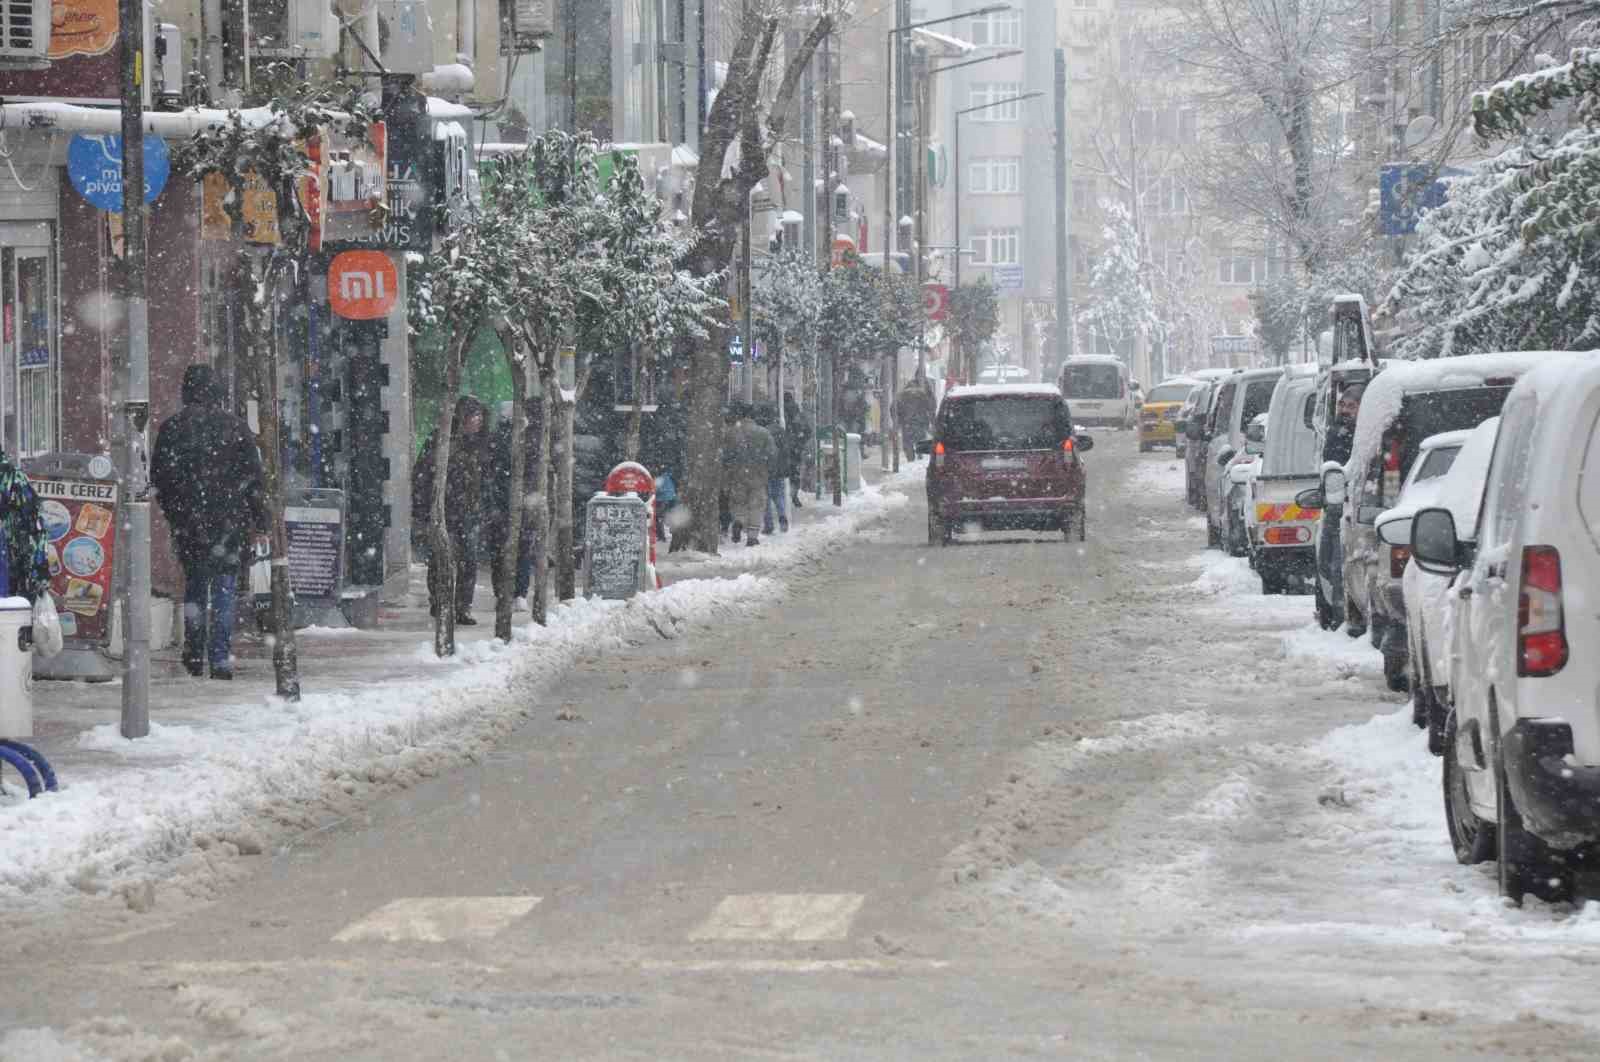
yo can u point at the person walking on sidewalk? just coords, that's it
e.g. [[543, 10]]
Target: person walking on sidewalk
[[914, 410], [499, 497], [747, 457], [799, 434], [206, 471], [777, 471], [24, 563], [463, 505]]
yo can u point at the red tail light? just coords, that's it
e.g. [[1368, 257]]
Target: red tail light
[[938, 455], [1067, 445], [1293, 535], [1541, 627], [1398, 555]]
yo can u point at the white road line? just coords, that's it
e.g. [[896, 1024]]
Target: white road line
[[435, 919], [781, 916], [796, 966]]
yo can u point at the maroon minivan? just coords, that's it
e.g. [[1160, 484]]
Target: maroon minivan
[[1005, 457]]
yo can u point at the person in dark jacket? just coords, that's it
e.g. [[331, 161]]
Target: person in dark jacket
[[24, 563], [498, 499], [463, 504], [914, 409], [206, 471], [800, 434], [778, 469]]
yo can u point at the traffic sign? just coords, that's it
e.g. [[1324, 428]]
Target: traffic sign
[[935, 301], [1008, 279], [94, 165]]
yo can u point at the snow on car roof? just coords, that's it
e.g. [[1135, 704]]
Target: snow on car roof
[[1211, 374], [1178, 380], [1461, 488], [1387, 391], [991, 390], [1447, 438], [1092, 359]]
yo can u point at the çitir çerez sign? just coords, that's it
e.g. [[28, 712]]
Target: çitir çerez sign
[[94, 165]]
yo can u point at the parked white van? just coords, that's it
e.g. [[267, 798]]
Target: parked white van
[[1522, 738], [1097, 392]]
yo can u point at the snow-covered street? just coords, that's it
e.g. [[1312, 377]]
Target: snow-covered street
[[871, 799]]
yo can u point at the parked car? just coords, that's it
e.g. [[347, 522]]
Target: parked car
[[1402, 406], [1280, 528], [1005, 457], [1158, 416], [1240, 399], [1241, 474], [1097, 388], [1337, 383], [1421, 488], [1522, 739], [1191, 427], [1424, 593]]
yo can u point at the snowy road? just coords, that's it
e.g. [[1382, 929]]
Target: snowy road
[[1012, 797]]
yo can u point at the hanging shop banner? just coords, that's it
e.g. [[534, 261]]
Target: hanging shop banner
[[258, 210], [408, 192], [345, 196], [80, 521], [313, 521], [94, 165]]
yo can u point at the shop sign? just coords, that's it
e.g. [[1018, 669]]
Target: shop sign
[[616, 546], [80, 521], [94, 165], [258, 210], [362, 285], [313, 523], [82, 27]]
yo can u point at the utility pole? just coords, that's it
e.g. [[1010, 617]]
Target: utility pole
[[1063, 215], [136, 391]]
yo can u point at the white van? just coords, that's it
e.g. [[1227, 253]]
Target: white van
[[1097, 392], [1522, 737]]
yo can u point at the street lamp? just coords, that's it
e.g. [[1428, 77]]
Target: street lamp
[[889, 114], [955, 162]]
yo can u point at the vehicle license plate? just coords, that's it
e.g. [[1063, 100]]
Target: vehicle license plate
[[1004, 464]]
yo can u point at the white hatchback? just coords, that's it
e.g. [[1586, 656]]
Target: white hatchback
[[1522, 739]]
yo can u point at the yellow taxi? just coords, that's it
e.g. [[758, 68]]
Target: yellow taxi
[[1158, 415]]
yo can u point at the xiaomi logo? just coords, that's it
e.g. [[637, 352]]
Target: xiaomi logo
[[362, 285]]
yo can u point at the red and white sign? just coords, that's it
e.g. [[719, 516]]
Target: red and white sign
[[362, 285], [935, 301]]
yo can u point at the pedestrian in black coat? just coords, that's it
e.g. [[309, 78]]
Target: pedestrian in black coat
[[463, 504], [499, 498], [206, 471]]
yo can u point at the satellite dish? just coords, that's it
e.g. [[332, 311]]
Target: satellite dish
[[1420, 128]]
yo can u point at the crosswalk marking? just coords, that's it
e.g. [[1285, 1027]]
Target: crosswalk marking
[[781, 916], [435, 919]]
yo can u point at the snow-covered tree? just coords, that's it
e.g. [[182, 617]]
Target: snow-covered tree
[[1510, 261], [787, 306], [744, 125], [971, 320], [265, 146], [1121, 305]]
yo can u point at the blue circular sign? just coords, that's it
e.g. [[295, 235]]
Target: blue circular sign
[[94, 165]]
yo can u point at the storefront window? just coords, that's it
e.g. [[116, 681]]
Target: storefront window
[[28, 380]]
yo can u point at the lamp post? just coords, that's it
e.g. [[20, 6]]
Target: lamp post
[[890, 114]]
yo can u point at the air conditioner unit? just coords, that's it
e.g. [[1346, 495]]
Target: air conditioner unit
[[524, 24], [293, 29], [24, 32]]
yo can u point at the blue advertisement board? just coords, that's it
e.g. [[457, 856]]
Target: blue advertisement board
[[94, 165]]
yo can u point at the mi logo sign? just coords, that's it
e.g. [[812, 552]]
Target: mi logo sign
[[362, 285]]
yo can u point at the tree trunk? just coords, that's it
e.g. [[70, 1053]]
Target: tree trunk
[[541, 502], [708, 375], [285, 657], [630, 447], [440, 547], [840, 439], [566, 575], [516, 496]]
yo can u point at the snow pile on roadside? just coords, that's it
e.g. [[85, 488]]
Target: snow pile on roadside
[[1227, 575], [184, 800], [1161, 474], [806, 540]]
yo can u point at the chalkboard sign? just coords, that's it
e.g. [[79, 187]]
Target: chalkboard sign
[[616, 546]]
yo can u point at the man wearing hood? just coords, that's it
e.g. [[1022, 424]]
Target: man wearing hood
[[207, 474]]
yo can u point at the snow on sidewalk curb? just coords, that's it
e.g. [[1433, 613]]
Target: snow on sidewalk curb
[[188, 794]]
